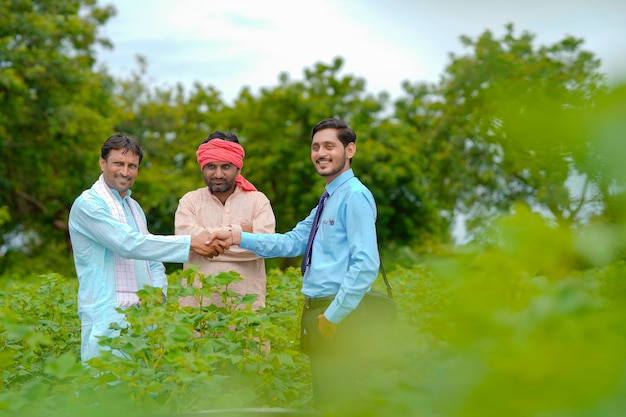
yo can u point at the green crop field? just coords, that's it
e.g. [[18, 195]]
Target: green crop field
[[519, 327]]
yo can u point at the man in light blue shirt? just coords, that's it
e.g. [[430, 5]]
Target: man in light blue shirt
[[342, 266], [114, 254]]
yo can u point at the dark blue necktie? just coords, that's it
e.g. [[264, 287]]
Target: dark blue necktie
[[306, 260]]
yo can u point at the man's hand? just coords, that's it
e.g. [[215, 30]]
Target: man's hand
[[223, 238], [202, 245], [327, 329], [216, 248]]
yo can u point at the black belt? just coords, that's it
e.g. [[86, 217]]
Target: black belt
[[311, 303]]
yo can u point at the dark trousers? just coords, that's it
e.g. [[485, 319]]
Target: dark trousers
[[340, 364]]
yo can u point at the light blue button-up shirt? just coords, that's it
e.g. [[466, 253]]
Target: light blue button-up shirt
[[345, 260], [96, 237]]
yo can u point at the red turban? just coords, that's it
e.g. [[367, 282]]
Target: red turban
[[218, 150]]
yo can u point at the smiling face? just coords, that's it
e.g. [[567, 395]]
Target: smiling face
[[329, 155], [120, 170]]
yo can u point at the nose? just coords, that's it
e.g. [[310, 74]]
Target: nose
[[320, 154], [125, 170]]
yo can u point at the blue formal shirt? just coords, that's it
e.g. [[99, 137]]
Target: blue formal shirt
[[345, 260], [96, 237]]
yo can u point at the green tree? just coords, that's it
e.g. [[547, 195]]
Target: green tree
[[170, 123], [277, 130], [53, 112], [274, 127], [480, 133]]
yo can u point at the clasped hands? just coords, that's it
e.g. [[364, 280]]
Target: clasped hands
[[214, 244], [219, 241]]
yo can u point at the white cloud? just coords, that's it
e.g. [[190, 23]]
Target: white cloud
[[246, 42]]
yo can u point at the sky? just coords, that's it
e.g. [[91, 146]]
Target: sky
[[237, 43]]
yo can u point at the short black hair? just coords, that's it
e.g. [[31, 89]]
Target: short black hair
[[344, 132], [121, 141], [218, 134]]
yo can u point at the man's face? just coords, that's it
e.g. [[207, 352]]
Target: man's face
[[120, 170], [220, 176], [328, 154]]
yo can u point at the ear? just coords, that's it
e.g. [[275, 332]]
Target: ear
[[102, 163], [350, 150]]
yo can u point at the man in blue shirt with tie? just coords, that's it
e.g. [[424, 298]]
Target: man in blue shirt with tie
[[342, 265]]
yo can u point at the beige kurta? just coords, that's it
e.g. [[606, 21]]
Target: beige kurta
[[200, 210]]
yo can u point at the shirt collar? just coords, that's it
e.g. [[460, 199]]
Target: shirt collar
[[339, 181], [118, 196]]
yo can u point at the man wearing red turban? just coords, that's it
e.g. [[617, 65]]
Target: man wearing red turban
[[228, 200], [226, 151]]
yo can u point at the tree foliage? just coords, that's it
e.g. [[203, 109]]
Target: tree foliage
[[274, 127], [474, 143], [53, 111], [170, 123], [489, 125]]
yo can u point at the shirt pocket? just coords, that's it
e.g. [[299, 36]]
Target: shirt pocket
[[327, 235]]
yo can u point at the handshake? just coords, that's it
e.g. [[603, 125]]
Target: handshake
[[214, 244]]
